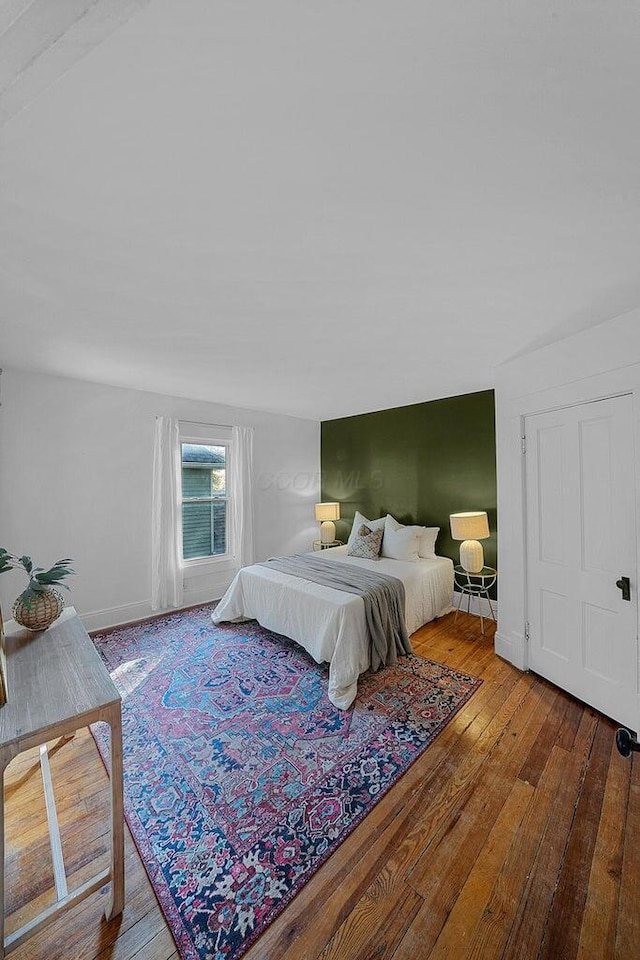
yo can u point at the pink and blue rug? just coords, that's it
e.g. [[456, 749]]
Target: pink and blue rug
[[241, 778]]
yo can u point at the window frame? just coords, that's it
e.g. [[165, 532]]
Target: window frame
[[207, 436]]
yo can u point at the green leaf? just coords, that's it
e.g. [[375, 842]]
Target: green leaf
[[55, 574], [50, 576], [46, 576], [28, 596], [7, 560], [39, 578]]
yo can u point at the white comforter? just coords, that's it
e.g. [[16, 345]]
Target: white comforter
[[328, 623]]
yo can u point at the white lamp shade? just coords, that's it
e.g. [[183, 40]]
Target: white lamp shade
[[469, 526], [327, 511]]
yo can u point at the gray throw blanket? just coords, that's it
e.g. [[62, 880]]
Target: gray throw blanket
[[383, 600]]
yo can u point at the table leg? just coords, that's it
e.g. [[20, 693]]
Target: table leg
[[460, 596], [116, 899], [493, 616], [57, 856]]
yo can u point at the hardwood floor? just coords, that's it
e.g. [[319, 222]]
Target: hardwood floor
[[515, 835]]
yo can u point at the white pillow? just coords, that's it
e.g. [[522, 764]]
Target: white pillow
[[427, 544], [400, 543], [427, 537], [358, 520]]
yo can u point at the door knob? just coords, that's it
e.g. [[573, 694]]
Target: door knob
[[626, 742], [624, 585]]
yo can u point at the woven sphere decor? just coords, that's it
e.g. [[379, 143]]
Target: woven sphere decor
[[41, 612]]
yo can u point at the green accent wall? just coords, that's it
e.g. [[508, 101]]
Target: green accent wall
[[419, 463]]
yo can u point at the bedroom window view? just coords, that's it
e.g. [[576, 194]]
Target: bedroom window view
[[204, 501]]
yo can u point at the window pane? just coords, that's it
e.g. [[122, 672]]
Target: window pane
[[203, 524], [204, 527], [203, 470], [219, 528]]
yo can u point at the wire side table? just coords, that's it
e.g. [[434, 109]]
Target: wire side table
[[322, 545], [475, 585]]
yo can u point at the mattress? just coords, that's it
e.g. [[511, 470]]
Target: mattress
[[328, 623]]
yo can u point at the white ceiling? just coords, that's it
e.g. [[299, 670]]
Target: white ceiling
[[322, 207]]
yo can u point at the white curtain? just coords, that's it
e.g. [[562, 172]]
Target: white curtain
[[241, 491], [166, 531]]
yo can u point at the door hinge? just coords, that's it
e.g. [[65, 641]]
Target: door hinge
[[523, 444], [526, 632]]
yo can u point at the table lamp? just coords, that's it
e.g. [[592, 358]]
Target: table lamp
[[470, 527], [326, 513]]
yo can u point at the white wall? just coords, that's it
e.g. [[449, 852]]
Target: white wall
[[600, 362], [75, 481]]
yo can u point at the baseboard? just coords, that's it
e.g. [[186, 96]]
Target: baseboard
[[113, 616], [198, 588], [479, 605], [512, 648], [134, 612]]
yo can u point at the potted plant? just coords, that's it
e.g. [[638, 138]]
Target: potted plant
[[40, 604]]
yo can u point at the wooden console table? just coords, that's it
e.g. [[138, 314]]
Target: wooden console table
[[58, 684]]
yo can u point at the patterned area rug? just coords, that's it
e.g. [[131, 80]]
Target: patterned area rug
[[241, 778]]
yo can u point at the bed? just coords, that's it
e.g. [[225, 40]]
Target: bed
[[328, 623]]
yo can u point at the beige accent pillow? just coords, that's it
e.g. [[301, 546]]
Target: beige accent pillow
[[366, 544], [358, 520]]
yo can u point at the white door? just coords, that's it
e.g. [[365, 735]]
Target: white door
[[581, 540]]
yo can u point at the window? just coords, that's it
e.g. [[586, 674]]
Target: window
[[205, 504]]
